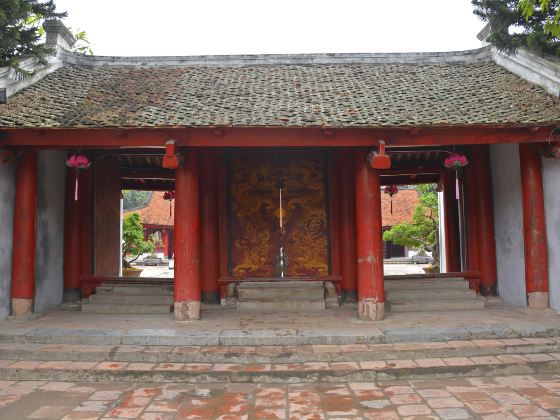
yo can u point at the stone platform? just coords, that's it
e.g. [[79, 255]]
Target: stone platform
[[229, 327]]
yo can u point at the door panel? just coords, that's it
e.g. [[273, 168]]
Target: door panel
[[255, 181]]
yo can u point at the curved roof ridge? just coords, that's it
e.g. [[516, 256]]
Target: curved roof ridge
[[469, 56]]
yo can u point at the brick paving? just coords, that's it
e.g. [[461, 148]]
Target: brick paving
[[505, 397]]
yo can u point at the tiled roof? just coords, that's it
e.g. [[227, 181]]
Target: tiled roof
[[156, 212], [404, 203], [295, 95]]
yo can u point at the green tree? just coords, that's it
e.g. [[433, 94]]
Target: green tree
[[20, 31], [533, 24], [133, 239], [133, 199], [423, 232]]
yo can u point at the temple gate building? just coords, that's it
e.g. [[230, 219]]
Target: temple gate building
[[277, 164]]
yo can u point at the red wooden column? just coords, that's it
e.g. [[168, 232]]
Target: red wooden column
[[369, 247], [23, 258], [86, 200], [210, 252], [534, 227], [471, 216], [485, 221], [452, 238], [73, 230], [165, 240], [347, 225], [187, 240]]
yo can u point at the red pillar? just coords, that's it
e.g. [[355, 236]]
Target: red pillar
[[86, 200], [369, 247], [210, 252], [347, 225], [485, 221], [72, 241], [23, 259], [471, 210], [165, 240], [534, 227], [187, 240], [452, 238]]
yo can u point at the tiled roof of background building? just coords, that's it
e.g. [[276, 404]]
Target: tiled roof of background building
[[404, 203], [295, 95], [156, 213]]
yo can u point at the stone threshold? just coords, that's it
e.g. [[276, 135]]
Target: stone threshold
[[273, 337]]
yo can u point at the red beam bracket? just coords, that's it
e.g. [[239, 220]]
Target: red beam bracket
[[379, 159], [172, 159]]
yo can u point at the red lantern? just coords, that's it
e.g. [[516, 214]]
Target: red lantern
[[78, 162], [391, 190], [456, 162], [169, 196]]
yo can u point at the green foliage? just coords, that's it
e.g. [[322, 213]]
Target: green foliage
[[133, 239], [534, 24], [423, 232], [133, 199], [82, 44], [20, 31]]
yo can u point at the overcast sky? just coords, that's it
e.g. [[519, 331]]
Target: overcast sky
[[190, 27]]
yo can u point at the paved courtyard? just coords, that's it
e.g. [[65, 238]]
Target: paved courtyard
[[507, 397], [163, 271]]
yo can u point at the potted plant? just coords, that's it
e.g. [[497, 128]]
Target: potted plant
[[134, 244]]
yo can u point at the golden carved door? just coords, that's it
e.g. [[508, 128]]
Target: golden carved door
[[256, 178]]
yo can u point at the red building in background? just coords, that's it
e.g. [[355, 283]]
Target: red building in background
[[157, 220]]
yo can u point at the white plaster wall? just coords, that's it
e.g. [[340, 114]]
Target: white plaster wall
[[49, 283], [551, 182], [508, 222], [7, 196]]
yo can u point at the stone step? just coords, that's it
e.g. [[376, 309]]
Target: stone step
[[367, 370], [131, 299], [280, 293], [460, 294], [120, 308], [147, 290], [276, 354], [282, 305], [436, 305], [427, 284]]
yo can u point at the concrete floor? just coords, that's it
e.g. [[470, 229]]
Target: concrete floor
[[228, 326]]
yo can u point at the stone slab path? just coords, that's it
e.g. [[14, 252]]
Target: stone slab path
[[503, 397]]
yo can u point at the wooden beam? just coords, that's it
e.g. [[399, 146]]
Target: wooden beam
[[270, 137], [130, 173]]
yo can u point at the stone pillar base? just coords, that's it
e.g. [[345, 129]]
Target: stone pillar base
[[488, 290], [211, 297], [22, 306], [187, 311], [348, 296], [537, 300], [369, 310], [72, 295]]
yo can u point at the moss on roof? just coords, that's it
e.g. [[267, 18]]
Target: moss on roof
[[316, 95]]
